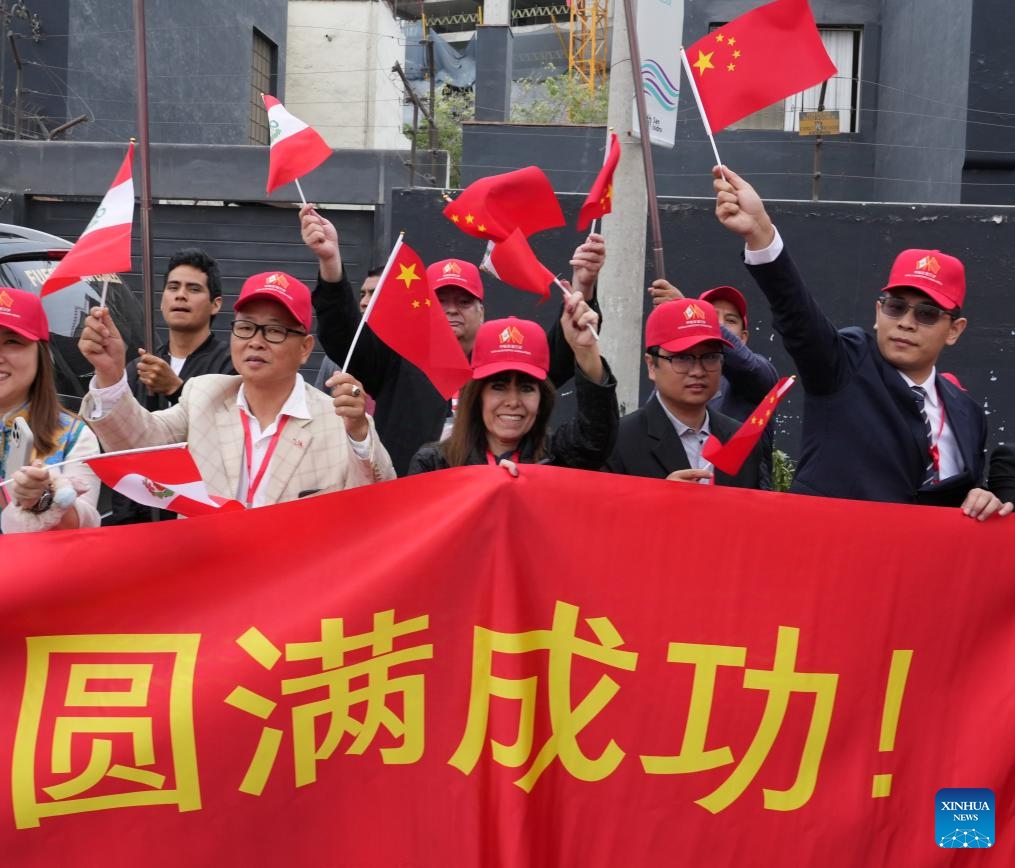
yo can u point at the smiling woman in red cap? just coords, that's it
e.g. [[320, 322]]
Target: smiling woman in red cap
[[503, 412], [40, 496]]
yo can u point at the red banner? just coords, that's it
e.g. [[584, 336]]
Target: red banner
[[465, 669]]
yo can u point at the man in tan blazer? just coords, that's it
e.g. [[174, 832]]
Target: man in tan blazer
[[262, 437]]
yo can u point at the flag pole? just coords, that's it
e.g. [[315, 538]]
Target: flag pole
[[299, 189], [105, 288], [141, 52], [646, 145], [373, 300], [701, 109], [565, 290], [107, 455]]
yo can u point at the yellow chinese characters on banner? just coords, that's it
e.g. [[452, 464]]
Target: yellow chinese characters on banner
[[335, 697], [106, 722]]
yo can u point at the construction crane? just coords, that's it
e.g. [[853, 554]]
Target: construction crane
[[587, 43]]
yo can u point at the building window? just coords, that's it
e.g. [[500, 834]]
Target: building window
[[263, 79], [841, 94]]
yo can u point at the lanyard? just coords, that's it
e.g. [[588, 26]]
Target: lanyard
[[935, 453], [254, 482], [494, 460]]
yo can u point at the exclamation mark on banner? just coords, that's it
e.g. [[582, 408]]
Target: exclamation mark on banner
[[898, 672]]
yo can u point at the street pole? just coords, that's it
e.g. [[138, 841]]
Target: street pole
[[141, 54]]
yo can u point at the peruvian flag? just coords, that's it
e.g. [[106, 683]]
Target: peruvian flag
[[165, 477], [295, 150], [731, 457], [104, 246], [513, 261]]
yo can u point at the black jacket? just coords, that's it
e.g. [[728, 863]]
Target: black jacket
[[863, 437], [648, 445], [409, 410], [1001, 479], [581, 443]]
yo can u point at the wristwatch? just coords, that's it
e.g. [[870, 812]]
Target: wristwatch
[[43, 503]]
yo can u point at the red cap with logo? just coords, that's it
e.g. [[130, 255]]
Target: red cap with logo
[[681, 324], [455, 272], [278, 286], [22, 312], [510, 344], [931, 272], [730, 294]]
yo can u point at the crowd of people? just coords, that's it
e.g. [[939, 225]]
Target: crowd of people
[[880, 422]]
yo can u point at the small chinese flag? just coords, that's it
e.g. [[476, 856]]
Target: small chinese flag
[[105, 244], [492, 208], [295, 149], [165, 477], [600, 198], [757, 59], [731, 457], [513, 261], [405, 313]]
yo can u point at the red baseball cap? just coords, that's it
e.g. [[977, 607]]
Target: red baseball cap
[[730, 294], [278, 286], [931, 272], [681, 324], [455, 272], [22, 312], [510, 344]]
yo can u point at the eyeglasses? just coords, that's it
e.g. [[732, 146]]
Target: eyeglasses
[[683, 363], [923, 313], [273, 334]]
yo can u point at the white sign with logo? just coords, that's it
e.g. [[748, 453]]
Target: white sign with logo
[[660, 30]]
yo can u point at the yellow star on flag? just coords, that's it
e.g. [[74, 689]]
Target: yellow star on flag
[[731, 41], [703, 62], [407, 274], [415, 303], [730, 67], [455, 218], [719, 37], [736, 54], [426, 301], [470, 219], [481, 228]]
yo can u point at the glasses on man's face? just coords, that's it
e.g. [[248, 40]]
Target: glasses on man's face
[[273, 334], [683, 363], [923, 313]]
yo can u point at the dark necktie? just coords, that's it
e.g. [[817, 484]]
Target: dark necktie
[[930, 475]]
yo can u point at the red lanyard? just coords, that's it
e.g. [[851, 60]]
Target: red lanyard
[[493, 459], [935, 453], [253, 482]]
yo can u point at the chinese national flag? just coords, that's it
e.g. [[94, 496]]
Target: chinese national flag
[[105, 244], [600, 198], [731, 457], [405, 313], [295, 148], [492, 208], [164, 477], [513, 261], [757, 59]]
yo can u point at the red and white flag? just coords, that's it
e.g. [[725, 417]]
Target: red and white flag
[[729, 458], [513, 261], [104, 246], [165, 477], [295, 148]]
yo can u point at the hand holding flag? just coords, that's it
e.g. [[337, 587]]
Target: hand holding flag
[[295, 149], [757, 59], [729, 458], [104, 246]]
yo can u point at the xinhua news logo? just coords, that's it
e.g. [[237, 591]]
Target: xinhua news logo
[[964, 818]]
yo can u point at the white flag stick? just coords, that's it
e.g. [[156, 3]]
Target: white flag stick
[[105, 287], [701, 109], [299, 190], [106, 455], [373, 300]]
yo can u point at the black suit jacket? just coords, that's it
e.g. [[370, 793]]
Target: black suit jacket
[[863, 437], [648, 445]]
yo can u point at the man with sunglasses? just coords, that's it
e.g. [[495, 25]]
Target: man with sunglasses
[[664, 439], [879, 422], [262, 437]]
